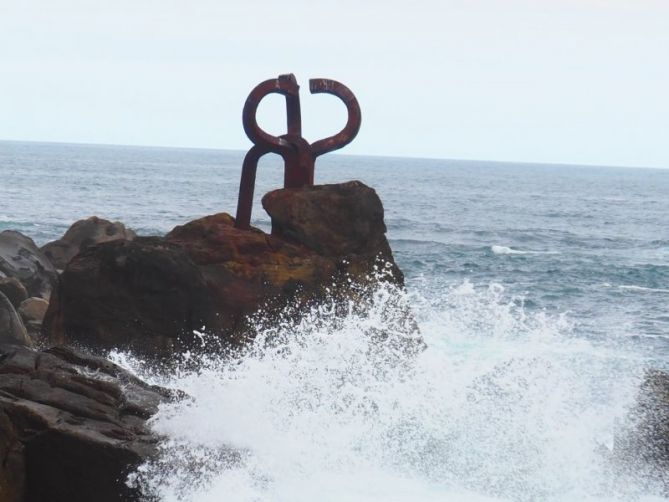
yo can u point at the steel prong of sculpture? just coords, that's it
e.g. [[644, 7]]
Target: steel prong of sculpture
[[299, 156]]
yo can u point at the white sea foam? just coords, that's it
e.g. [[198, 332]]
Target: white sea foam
[[643, 289], [502, 250], [502, 405], [505, 250]]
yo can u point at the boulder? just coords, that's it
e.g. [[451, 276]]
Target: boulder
[[145, 295], [333, 220], [82, 234], [33, 309], [21, 258], [72, 426], [32, 312], [12, 329], [14, 290], [342, 221]]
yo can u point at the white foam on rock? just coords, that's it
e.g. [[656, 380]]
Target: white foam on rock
[[502, 405]]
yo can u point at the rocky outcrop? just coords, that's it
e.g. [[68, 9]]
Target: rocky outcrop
[[151, 293], [72, 426], [20, 258], [82, 234], [12, 329]]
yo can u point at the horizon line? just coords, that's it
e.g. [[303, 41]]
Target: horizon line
[[219, 149]]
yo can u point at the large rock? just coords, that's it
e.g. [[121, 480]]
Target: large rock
[[151, 293], [340, 221], [72, 426], [12, 329], [145, 295], [82, 234], [20, 258], [32, 312], [333, 220]]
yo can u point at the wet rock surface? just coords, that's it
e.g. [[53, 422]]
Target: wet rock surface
[[21, 258], [82, 234], [145, 295], [72, 426]]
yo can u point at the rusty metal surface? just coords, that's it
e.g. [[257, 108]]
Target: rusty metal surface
[[298, 154]]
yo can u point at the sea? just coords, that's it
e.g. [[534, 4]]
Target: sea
[[541, 291]]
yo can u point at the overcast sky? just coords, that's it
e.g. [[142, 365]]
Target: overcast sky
[[565, 81]]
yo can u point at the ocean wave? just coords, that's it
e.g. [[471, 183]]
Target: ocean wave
[[502, 405], [505, 250], [643, 289]]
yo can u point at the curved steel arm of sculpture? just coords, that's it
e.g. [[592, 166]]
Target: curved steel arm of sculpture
[[287, 86], [247, 187], [350, 130]]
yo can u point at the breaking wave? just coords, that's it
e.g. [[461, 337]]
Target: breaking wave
[[501, 250], [502, 404], [643, 289], [505, 250]]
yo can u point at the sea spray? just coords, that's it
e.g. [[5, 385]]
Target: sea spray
[[503, 404]]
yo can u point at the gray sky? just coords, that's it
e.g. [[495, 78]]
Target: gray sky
[[566, 81]]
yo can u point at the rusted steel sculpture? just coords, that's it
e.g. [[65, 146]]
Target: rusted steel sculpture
[[299, 156]]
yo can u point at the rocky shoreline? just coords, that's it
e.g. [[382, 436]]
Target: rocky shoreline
[[73, 425]]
